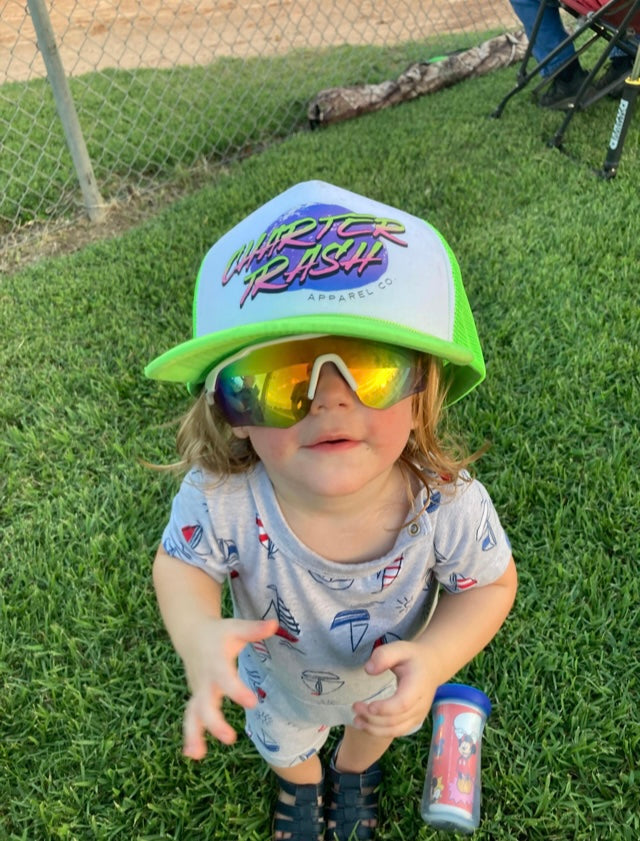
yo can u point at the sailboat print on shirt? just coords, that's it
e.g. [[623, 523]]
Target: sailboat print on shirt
[[321, 683], [384, 639], [192, 535], [231, 555], [268, 741], [330, 582], [388, 575], [484, 533], [458, 582], [261, 650], [289, 629], [434, 502], [358, 621], [265, 540], [255, 678]]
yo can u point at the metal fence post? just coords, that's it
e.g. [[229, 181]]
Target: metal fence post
[[93, 202]]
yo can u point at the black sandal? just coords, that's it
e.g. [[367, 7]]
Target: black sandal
[[352, 799], [302, 820]]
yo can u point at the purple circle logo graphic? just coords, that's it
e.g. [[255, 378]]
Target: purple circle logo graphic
[[317, 246]]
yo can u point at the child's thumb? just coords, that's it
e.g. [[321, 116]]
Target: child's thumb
[[383, 658], [259, 630]]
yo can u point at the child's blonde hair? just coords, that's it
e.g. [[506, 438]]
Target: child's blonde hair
[[206, 440]]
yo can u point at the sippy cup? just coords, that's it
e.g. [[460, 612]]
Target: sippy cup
[[451, 796]]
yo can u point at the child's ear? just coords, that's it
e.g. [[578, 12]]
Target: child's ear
[[240, 431]]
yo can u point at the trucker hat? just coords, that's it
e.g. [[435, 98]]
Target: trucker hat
[[319, 259]]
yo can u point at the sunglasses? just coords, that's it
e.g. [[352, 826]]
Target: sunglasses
[[273, 384]]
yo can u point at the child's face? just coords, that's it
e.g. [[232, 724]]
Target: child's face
[[340, 448]]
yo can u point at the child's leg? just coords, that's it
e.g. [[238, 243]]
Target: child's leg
[[359, 750], [306, 773], [357, 753]]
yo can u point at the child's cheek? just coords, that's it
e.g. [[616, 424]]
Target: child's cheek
[[271, 444]]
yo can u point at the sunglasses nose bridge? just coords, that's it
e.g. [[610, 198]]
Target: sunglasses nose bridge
[[317, 368]]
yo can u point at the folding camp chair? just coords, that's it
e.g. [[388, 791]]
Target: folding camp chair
[[613, 23]]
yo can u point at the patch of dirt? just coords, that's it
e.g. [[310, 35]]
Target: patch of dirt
[[35, 242], [95, 34]]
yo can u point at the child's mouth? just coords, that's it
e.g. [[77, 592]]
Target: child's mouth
[[334, 444]]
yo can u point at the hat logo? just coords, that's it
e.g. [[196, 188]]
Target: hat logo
[[325, 247]]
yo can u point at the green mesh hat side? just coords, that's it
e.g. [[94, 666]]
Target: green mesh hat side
[[464, 334], [321, 259]]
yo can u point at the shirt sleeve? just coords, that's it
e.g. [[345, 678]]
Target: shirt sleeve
[[471, 547], [189, 534]]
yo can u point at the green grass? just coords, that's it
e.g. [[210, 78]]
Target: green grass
[[92, 693]]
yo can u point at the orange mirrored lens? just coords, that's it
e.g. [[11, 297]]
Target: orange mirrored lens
[[269, 386]]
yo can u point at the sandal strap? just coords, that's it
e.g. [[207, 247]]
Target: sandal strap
[[302, 820], [353, 798]]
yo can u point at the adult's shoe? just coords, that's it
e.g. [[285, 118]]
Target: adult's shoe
[[561, 93], [612, 82]]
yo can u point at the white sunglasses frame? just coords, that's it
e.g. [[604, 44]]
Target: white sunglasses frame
[[336, 359], [212, 376]]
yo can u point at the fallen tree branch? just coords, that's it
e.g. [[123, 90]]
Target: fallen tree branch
[[335, 104]]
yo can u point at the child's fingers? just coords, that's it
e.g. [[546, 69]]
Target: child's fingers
[[402, 712], [383, 710], [194, 745], [387, 728], [258, 630], [204, 710], [239, 693], [387, 657], [193, 742], [388, 725], [201, 715], [386, 712]]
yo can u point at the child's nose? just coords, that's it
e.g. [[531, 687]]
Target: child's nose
[[332, 389]]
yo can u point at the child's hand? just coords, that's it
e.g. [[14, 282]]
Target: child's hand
[[411, 702], [212, 675], [461, 626]]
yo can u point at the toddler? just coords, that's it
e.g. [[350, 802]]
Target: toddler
[[329, 332]]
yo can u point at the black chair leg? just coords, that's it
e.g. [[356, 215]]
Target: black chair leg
[[523, 77], [584, 97], [622, 122]]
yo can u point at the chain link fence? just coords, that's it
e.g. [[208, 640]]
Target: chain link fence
[[134, 93]]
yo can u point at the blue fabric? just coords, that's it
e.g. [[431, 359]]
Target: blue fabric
[[550, 34]]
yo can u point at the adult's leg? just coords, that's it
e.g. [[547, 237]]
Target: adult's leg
[[550, 34]]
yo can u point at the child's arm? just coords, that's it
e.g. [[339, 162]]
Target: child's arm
[[462, 625], [190, 604]]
